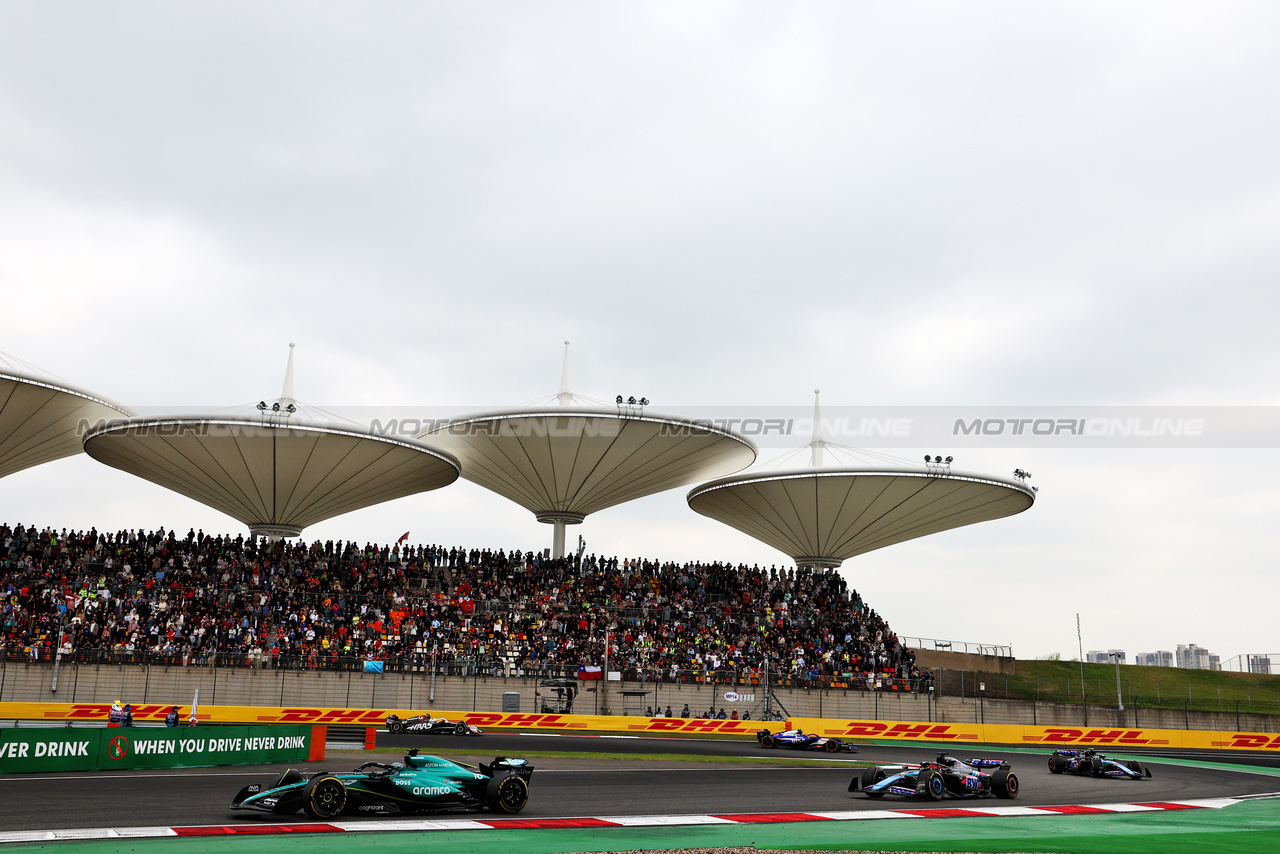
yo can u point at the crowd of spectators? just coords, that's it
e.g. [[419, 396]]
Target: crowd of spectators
[[134, 596]]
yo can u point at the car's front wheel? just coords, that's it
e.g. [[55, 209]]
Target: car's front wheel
[[507, 794], [934, 786], [1004, 784], [324, 797], [460, 729], [870, 777], [396, 726], [832, 745]]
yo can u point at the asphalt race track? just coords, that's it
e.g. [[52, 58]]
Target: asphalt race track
[[568, 787]]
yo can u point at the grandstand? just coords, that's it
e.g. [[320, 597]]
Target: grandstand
[[134, 597]]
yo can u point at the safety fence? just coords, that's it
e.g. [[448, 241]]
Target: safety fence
[[488, 667]]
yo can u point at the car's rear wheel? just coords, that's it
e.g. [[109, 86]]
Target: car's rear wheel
[[1096, 768], [870, 777], [832, 745], [934, 786], [767, 741], [1057, 764], [508, 794], [1004, 784], [325, 796], [459, 729]]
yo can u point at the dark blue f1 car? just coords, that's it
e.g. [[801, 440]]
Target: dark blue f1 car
[[934, 780], [797, 739], [1094, 764]]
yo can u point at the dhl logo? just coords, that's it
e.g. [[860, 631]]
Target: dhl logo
[[1252, 742], [332, 716], [513, 720], [697, 725], [94, 711], [875, 729], [1063, 735]]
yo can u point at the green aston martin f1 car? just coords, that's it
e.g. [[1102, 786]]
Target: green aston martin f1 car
[[421, 784]]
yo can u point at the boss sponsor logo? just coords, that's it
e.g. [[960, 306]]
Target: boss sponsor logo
[[1065, 735]]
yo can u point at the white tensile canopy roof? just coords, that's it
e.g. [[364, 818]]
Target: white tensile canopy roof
[[563, 463], [823, 516], [42, 418], [276, 477], [566, 461]]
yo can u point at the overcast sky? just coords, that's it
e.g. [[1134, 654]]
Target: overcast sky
[[730, 204]]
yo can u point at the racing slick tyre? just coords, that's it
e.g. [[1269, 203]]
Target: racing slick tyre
[[396, 726], [324, 797], [1004, 784], [1096, 768], [459, 729], [934, 786], [1057, 764], [507, 793], [1134, 767], [870, 777], [832, 745], [766, 741]]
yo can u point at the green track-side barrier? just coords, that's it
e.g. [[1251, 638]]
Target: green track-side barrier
[[70, 749]]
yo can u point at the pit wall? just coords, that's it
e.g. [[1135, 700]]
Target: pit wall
[[853, 729], [31, 749]]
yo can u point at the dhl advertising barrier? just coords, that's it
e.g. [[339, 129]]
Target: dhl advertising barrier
[[1052, 736], [98, 749], [364, 717], [916, 731]]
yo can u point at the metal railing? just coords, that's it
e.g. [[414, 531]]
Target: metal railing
[[486, 666], [968, 647]]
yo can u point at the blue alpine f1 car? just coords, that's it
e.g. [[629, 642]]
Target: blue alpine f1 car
[[796, 739], [421, 784], [1094, 764], [938, 778]]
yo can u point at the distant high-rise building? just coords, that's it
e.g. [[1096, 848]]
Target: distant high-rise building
[[1215, 662], [1259, 664], [1193, 657], [1097, 656], [1159, 658]]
